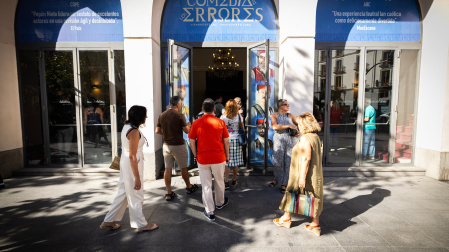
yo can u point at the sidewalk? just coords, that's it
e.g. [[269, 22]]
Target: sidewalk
[[62, 213]]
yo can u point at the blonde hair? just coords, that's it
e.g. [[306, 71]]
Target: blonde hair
[[231, 109], [307, 123]]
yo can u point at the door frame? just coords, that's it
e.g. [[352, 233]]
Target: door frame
[[360, 103]]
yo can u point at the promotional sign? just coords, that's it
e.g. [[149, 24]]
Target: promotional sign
[[219, 20], [257, 103], [67, 21], [379, 21]]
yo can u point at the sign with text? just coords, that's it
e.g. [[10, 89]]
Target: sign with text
[[219, 21], [374, 21], [66, 21]]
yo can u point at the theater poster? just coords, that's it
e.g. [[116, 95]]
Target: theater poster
[[181, 85], [257, 106]]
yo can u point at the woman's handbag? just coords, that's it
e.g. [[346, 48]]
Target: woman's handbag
[[243, 140], [115, 165], [302, 204], [292, 132]]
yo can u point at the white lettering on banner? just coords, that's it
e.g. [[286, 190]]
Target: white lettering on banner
[[197, 9], [359, 18], [61, 17]]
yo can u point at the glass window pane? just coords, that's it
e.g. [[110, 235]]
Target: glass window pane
[[31, 107], [406, 107], [120, 92], [94, 79], [343, 107], [61, 107], [377, 106], [319, 88]]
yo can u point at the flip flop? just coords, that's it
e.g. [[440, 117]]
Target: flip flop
[[109, 226], [272, 184], [146, 228]]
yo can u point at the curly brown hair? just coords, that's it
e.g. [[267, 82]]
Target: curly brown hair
[[231, 109]]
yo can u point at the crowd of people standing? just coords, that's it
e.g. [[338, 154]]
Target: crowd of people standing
[[215, 145]]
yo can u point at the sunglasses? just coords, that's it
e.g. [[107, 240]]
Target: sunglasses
[[285, 104]]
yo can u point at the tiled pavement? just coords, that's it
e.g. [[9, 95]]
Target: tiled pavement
[[62, 213]]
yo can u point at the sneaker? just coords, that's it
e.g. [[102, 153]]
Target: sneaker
[[209, 217], [226, 186], [234, 182], [226, 201]]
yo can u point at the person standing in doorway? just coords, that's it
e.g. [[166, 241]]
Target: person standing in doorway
[[170, 126], [218, 106], [130, 192], [283, 143], [369, 131], [233, 122], [209, 141]]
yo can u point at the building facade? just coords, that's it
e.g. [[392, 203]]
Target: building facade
[[374, 73]]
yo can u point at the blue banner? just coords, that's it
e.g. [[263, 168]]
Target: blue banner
[[378, 21], [219, 20], [66, 21]]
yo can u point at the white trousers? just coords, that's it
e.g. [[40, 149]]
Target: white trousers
[[206, 172], [127, 196]]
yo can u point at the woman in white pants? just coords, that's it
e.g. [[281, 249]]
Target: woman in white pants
[[130, 191]]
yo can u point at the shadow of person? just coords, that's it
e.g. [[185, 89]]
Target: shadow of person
[[339, 217]]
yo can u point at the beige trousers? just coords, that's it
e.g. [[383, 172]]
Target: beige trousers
[[206, 172]]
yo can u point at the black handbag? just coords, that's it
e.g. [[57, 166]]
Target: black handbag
[[292, 132], [243, 139]]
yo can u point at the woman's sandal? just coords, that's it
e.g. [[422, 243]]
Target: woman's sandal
[[170, 196], [314, 229], [148, 227], [283, 187], [109, 225], [284, 223], [272, 184], [192, 189]]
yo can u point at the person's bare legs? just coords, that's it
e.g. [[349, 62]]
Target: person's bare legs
[[226, 174], [167, 179], [315, 222], [186, 177], [235, 170]]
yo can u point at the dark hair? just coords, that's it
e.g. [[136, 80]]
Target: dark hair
[[208, 105], [280, 101], [217, 96], [174, 100], [136, 115]]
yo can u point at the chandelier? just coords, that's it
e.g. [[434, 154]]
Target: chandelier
[[224, 65]]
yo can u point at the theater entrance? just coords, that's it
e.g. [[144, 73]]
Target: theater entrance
[[196, 73]]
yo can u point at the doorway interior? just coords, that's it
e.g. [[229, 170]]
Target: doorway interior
[[211, 82]]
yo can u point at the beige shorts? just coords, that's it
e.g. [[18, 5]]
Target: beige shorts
[[175, 152]]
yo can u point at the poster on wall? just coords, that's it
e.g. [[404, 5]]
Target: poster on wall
[[257, 106], [380, 21], [219, 21], [69, 21], [181, 66]]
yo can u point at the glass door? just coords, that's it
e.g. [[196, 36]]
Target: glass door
[[260, 92], [59, 115], [342, 106], [180, 81], [95, 106]]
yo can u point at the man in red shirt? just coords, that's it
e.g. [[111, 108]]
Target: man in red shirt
[[209, 141]]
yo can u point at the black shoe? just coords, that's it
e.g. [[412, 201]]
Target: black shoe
[[226, 186], [226, 201], [234, 182], [209, 217]]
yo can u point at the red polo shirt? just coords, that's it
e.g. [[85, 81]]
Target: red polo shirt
[[209, 132]]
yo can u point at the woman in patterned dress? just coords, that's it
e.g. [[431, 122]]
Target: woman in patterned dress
[[231, 118]]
